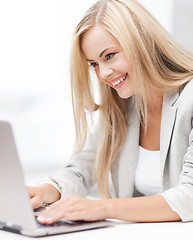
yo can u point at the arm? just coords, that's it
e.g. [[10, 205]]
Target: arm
[[76, 176], [141, 209], [180, 197], [174, 204]]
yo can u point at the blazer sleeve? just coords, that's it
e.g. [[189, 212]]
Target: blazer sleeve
[[76, 176], [180, 198]]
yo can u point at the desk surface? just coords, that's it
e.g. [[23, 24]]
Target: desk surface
[[122, 231]]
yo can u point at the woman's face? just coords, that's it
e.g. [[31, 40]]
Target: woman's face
[[106, 56]]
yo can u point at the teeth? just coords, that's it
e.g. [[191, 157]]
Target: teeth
[[119, 81]]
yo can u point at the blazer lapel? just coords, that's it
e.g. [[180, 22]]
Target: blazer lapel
[[123, 168], [169, 112]]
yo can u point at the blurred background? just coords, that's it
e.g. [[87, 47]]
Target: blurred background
[[35, 39]]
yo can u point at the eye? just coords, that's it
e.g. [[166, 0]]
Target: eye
[[109, 56], [93, 64]]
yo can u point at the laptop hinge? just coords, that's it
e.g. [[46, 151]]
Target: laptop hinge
[[10, 227]]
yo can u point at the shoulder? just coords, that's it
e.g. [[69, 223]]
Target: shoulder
[[185, 106], [187, 90], [186, 95]]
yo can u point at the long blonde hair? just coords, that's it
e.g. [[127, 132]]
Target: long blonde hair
[[158, 63]]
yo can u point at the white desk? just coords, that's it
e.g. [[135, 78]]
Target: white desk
[[123, 231]]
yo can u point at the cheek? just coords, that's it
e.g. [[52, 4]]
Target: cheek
[[125, 65], [97, 72]]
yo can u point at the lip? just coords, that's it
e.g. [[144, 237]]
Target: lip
[[116, 79]]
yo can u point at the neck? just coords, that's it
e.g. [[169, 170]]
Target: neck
[[155, 102]]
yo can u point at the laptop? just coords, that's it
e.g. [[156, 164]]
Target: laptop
[[16, 213]]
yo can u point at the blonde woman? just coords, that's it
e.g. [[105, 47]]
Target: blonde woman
[[144, 136]]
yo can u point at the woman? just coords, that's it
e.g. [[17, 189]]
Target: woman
[[144, 136]]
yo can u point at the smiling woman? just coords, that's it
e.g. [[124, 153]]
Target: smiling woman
[[34, 76], [111, 65], [146, 104]]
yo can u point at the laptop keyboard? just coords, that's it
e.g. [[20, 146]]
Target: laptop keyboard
[[59, 223]]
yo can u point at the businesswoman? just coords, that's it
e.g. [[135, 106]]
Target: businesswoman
[[144, 138]]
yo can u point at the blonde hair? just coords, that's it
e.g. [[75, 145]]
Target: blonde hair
[[159, 63]]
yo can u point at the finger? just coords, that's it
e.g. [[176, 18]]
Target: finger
[[65, 205], [53, 217], [58, 215], [31, 191], [36, 202], [53, 214], [59, 205], [52, 211], [60, 208]]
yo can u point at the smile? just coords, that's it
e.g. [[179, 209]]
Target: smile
[[118, 82]]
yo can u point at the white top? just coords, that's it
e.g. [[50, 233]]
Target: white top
[[147, 175]]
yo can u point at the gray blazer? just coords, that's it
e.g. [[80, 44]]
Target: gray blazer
[[176, 150]]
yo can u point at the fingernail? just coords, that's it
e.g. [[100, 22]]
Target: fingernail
[[49, 220], [41, 219]]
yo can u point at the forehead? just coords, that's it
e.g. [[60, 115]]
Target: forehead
[[96, 40]]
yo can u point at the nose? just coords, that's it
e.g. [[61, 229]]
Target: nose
[[105, 72]]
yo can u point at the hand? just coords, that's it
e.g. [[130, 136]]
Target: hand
[[36, 196], [44, 194], [75, 208]]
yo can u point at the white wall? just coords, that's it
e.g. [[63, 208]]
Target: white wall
[[34, 77], [183, 23], [162, 11]]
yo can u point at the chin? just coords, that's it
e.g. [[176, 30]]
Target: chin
[[125, 95]]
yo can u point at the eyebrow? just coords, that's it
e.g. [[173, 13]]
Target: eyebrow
[[101, 54]]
